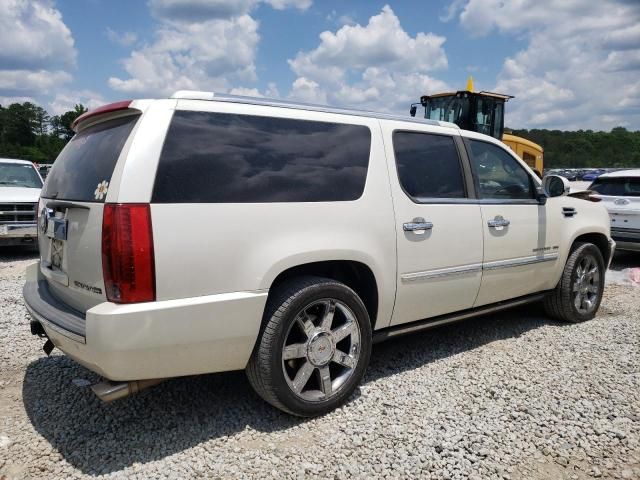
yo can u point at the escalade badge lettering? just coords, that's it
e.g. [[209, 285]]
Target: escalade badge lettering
[[88, 288]]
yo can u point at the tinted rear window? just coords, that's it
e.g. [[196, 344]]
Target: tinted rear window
[[227, 158], [428, 165], [88, 161], [622, 187]]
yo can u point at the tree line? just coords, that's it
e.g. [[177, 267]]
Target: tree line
[[27, 131], [587, 148]]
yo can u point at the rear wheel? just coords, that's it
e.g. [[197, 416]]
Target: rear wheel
[[314, 347], [577, 296]]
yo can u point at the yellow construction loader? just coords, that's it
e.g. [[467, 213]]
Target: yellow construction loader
[[481, 112]]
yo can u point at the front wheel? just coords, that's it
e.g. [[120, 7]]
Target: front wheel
[[577, 296], [314, 347]]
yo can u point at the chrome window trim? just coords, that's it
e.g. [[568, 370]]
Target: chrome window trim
[[441, 272], [517, 262], [477, 267]]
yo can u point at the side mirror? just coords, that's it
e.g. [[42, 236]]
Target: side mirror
[[555, 186], [413, 110]]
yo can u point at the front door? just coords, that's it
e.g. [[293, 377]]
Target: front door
[[520, 250], [439, 229]]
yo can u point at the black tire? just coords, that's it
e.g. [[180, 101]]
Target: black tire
[[266, 368], [561, 302]]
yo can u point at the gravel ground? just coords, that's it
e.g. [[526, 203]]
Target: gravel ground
[[503, 396]]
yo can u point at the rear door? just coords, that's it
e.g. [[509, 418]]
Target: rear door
[[439, 232], [71, 206]]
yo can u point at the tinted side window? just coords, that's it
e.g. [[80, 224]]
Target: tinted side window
[[428, 165], [227, 158], [88, 161], [498, 174]]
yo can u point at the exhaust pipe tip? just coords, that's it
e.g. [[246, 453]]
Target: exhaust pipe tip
[[108, 391]]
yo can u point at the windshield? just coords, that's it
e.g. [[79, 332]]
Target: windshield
[[19, 175], [620, 187], [448, 109]]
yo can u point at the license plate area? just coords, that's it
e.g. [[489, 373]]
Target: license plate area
[[57, 228]]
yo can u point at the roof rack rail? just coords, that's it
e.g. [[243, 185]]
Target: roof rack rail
[[274, 102]]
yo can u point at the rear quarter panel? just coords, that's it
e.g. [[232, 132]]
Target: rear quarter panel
[[204, 249]]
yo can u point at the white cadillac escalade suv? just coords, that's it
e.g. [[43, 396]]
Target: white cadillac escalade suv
[[207, 233]]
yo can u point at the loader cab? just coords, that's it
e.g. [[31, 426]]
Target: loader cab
[[481, 112]]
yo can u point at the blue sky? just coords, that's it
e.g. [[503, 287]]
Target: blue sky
[[573, 66]]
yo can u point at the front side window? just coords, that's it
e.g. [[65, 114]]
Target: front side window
[[19, 175], [499, 176], [228, 158], [428, 165]]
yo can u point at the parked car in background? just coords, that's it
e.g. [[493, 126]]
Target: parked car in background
[[206, 233], [620, 194], [20, 185], [592, 175]]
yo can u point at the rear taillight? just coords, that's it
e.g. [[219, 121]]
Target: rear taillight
[[127, 253]]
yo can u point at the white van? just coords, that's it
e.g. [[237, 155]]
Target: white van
[[205, 233]]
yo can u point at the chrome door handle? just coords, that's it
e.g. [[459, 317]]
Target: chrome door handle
[[498, 222], [413, 226]]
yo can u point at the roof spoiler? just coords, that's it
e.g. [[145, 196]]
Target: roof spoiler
[[111, 107]]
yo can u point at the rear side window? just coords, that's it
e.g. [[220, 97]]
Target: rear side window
[[83, 169], [227, 158], [621, 187], [428, 165]]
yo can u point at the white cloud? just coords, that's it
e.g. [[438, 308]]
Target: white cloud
[[124, 39], [580, 59], [199, 10], [36, 49], [33, 35], [5, 101], [209, 55], [377, 66], [202, 10], [198, 45], [282, 4], [308, 91], [66, 100]]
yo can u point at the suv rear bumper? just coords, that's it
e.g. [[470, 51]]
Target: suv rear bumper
[[169, 338]]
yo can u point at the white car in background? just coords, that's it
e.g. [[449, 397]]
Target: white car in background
[[620, 194], [20, 185]]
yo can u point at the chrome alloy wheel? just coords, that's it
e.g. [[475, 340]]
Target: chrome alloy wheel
[[321, 350], [586, 285]]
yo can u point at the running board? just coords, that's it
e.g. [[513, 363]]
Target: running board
[[406, 328]]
